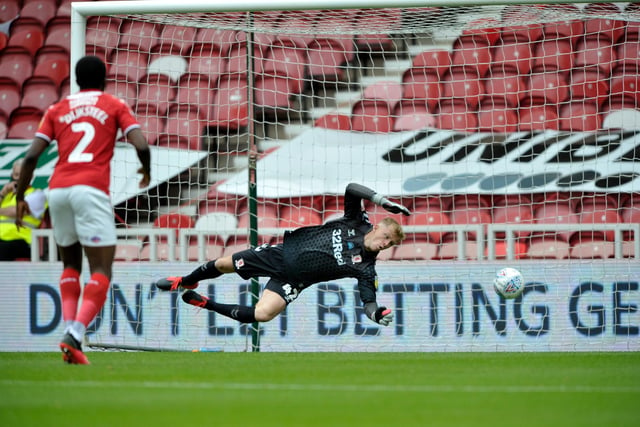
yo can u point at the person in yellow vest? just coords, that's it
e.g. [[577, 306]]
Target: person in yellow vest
[[16, 243]]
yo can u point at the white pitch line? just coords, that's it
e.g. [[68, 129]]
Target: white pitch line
[[331, 387]]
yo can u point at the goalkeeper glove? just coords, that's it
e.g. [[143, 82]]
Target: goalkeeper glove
[[383, 316], [393, 207], [390, 206]]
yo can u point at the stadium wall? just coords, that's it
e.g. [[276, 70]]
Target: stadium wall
[[448, 306]]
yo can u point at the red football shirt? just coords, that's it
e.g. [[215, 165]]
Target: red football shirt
[[85, 125]]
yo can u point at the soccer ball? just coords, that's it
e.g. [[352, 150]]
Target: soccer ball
[[508, 283]]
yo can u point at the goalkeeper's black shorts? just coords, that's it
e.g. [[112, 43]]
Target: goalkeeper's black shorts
[[266, 261]]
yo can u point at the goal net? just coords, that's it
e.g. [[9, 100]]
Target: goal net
[[510, 131]]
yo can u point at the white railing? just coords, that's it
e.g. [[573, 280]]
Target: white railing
[[153, 237]]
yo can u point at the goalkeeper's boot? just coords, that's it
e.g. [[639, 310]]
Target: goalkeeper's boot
[[72, 351], [172, 283], [194, 298]]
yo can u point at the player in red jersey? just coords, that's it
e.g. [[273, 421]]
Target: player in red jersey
[[85, 126]]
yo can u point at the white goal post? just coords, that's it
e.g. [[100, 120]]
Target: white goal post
[[510, 129]]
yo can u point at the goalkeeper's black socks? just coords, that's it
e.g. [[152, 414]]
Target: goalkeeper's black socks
[[205, 271], [241, 313]]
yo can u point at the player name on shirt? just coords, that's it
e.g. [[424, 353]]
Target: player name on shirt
[[84, 111]]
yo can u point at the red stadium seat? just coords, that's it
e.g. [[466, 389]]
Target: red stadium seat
[[274, 93], [538, 117], [16, 66], [183, 130], [335, 121], [495, 116], [23, 129], [513, 214], [598, 53], [152, 126], [423, 87], [40, 11], [54, 70], [298, 216], [501, 249], [580, 116], [230, 108], [175, 221], [552, 87], [628, 54], [9, 9], [609, 28], [556, 212], [267, 218], [414, 249], [470, 54], [195, 94], [208, 63], [548, 247], [39, 94], [432, 62], [388, 91], [128, 250], [371, 116], [410, 115], [210, 39], [604, 201], [625, 83], [102, 35], [237, 61], [457, 116], [486, 30], [286, 61], [156, 94], [590, 247], [326, 60], [27, 40], [50, 53], [138, 35], [10, 96], [600, 215], [59, 34], [505, 87], [553, 55], [511, 55], [588, 84], [175, 40], [429, 215], [564, 30], [460, 84], [450, 247], [127, 65], [470, 215], [127, 91]]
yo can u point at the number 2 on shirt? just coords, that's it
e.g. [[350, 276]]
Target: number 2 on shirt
[[78, 155]]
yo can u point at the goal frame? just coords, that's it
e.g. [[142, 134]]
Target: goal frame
[[81, 11]]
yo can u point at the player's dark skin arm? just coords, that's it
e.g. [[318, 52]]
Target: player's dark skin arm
[[26, 174]]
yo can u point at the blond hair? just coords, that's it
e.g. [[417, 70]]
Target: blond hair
[[395, 227]]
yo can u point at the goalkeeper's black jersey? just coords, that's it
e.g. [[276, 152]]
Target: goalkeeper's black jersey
[[333, 250]]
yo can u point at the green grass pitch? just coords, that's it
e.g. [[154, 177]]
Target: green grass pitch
[[321, 389]]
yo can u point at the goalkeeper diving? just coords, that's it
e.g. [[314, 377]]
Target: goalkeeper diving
[[341, 248]]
